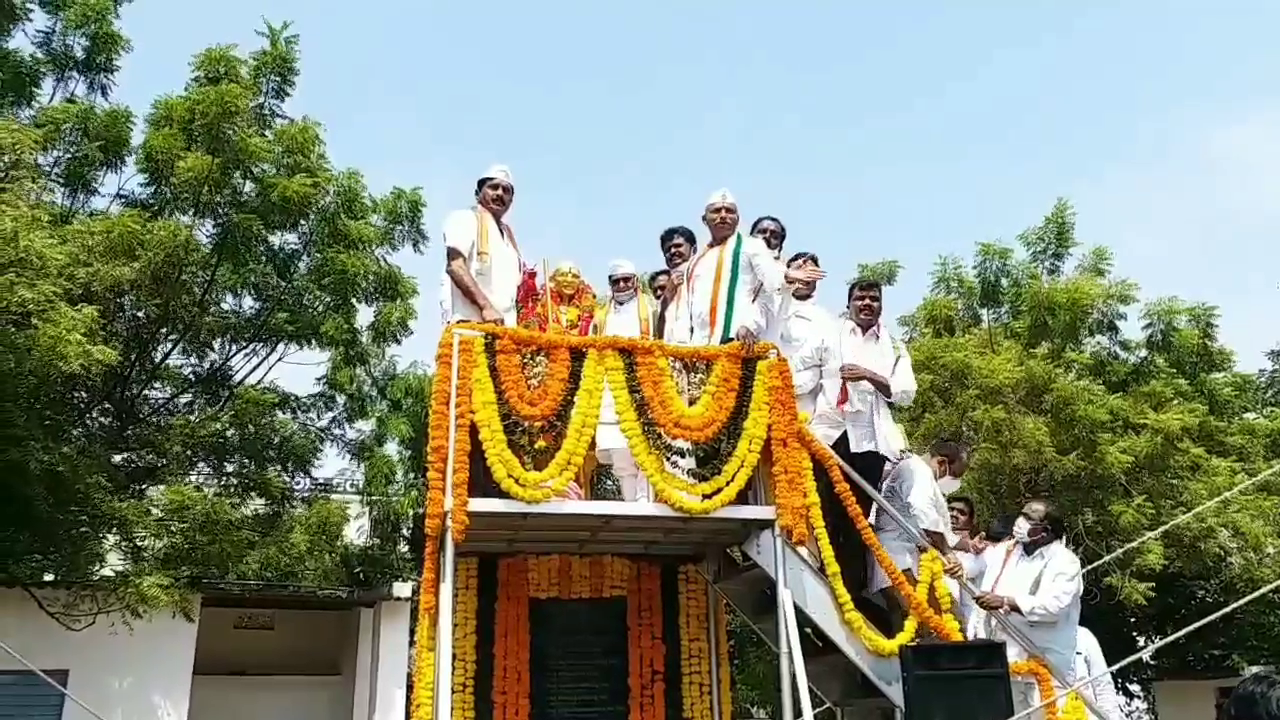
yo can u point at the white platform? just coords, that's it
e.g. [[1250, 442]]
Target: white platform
[[499, 525]]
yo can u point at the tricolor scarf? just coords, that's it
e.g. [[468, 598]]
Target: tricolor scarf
[[735, 270], [482, 235]]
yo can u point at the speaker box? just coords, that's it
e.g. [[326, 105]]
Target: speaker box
[[956, 681]]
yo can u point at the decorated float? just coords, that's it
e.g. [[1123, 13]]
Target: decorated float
[[534, 607]]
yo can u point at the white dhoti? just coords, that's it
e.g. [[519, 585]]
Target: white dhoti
[[612, 450]]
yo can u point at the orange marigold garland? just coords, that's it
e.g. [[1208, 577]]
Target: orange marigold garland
[[469, 352], [647, 652], [511, 641], [722, 652], [528, 403], [792, 468], [945, 627], [701, 422]]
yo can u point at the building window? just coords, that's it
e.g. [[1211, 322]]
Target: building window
[[27, 696]]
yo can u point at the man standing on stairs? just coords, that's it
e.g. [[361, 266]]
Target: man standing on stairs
[[869, 373], [917, 487], [1033, 580]]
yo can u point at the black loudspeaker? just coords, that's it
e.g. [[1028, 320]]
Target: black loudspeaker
[[956, 681]]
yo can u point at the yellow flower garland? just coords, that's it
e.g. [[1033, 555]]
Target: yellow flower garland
[[676, 491], [695, 645], [533, 486], [465, 605]]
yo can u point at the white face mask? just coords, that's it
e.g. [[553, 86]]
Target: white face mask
[[624, 297], [1021, 532], [948, 484]]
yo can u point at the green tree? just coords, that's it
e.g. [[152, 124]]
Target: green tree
[[1024, 352], [147, 293]]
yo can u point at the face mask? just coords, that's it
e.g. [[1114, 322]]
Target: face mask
[[948, 484], [624, 297], [1021, 532]]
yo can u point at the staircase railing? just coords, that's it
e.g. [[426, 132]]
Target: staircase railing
[[918, 537], [792, 627]]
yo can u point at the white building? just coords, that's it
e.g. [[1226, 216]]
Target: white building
[[255, 653]]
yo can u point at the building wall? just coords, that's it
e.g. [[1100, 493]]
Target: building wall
[[143, 673], [1188, 699], [225, 697]]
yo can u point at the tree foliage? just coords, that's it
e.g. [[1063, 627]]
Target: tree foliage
[[150, 289], [1028, 352]]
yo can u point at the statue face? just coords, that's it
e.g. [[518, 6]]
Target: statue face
[[566, 282]]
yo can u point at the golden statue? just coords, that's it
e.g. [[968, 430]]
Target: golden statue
[[565, 303]]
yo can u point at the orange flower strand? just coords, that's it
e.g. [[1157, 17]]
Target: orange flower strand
[[702, 421], [547, 341], [531, 404], [946, 628], [791, 471], [468, 355]]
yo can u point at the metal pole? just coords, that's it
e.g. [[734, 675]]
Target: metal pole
[[786, 705], [444, 600], [918, 537], [713, 630], [797, 664]]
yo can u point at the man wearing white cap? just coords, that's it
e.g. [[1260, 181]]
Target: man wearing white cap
[[627, 313], [718, 301], [482, 261]]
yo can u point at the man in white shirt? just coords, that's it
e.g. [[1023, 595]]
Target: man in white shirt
[[869, 371], [679, 245], [963, 513], [482, 261], [916, 488], [1033, 580], [804, 336], [627, 313], [717, 301], [1089, 662]]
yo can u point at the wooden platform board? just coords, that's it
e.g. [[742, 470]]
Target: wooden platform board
[[598, 526]]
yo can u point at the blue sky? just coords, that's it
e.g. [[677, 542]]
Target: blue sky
[[873, 132]]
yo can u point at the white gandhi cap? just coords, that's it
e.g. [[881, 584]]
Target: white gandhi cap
[[499, 172], [621, 267], [722, 197]]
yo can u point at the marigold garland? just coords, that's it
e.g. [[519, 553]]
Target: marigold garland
[[511, 681], [679, 493], [1072, 709], [647, 651], [529, 403], [465, 605], [534, 486], [695, 645], [791, 467], [725, 665], [678, 420]]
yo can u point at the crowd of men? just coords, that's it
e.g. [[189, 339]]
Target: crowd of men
[[849, 374]]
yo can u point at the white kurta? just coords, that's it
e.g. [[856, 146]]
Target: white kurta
[[867, 416], [912, 490], [498, 277], [689, 317], [622, 320], [1047, 587], [804, 337], [1089, 662]]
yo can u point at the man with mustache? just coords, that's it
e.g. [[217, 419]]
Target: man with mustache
[[482, 261], [716, 303], [868, 372], [678, 245]]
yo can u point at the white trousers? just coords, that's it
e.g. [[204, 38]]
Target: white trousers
[[634, 485], [1026, 695]]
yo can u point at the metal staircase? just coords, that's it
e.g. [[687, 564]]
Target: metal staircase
[[842, 671]]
